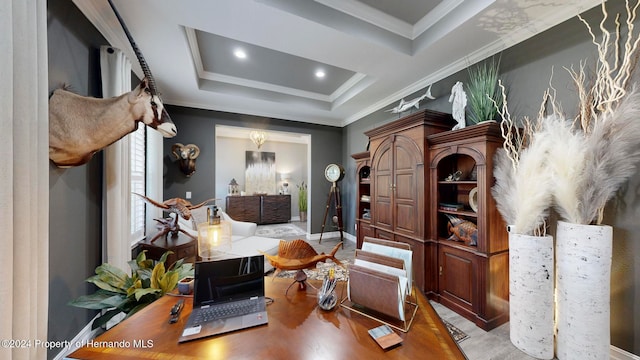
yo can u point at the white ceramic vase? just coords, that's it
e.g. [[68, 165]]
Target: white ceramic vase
[[583, 291], [531, 305]]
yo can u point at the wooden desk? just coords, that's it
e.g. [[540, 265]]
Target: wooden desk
[[297, 329]]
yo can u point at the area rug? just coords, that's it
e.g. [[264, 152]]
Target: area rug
[[457, 334], [279, 231]]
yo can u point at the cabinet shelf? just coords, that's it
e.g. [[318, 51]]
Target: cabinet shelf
[[459, 182], [467, 213], [461, 246], [469, 279], [363, 205]]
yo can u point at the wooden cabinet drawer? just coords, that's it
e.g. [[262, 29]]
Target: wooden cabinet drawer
[[275, 209], [187, 252], [182, 246]]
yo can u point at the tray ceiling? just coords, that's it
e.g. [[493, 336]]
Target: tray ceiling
[[372, 52]]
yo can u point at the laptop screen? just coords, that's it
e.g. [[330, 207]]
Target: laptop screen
[[226, 280]]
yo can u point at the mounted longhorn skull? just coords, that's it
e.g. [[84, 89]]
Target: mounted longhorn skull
[[186, 155], [81, 126]]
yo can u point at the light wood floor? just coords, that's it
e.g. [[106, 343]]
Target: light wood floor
[[480, 345]]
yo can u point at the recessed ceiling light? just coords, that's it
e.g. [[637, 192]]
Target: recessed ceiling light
[[320, 74], [240, 54]]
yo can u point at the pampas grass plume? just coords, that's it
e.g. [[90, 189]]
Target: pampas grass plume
[[523, 192], [566, 162], [533, 187], [504, 189], [612, 153]]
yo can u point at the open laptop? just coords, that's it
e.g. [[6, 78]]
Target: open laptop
[[228, 295]]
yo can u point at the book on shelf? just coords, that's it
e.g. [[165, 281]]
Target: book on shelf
[[451, 206]]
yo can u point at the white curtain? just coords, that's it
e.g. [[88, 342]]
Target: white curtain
[[24, 175], [116, 80]]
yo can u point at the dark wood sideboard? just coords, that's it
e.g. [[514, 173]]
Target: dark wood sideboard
[[260, 209]]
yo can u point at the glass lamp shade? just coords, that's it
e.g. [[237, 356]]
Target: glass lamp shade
[[213, 239]]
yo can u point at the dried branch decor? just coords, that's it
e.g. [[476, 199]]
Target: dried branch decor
[[575, 167], [608, 118], [523, 184]]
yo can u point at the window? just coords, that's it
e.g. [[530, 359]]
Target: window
[[138, 183]]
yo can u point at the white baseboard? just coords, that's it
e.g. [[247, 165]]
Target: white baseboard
[[619, 354], [333, 234], [78, 341]]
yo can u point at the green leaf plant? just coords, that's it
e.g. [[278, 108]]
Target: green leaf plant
[[482, 91], [120, 293], [302, 197]]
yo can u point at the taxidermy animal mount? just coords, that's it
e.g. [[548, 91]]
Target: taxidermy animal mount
[[178, 206], [81, 126], [186, 155]]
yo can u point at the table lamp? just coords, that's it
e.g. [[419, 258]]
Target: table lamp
[[214, 236], [284, 177]]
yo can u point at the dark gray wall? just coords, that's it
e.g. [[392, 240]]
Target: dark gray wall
[[526, 69], [75, 194], [198, 126]]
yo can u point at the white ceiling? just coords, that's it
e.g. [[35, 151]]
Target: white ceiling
[[374, 52]]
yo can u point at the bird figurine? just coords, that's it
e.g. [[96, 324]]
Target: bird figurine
[[462, 230]]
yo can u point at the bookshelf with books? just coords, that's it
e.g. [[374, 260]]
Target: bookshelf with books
[[471, 273], [363, 196]]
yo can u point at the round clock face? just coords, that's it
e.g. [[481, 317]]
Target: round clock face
[[334, 172]]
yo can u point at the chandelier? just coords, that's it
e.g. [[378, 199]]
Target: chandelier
[[258, 137]]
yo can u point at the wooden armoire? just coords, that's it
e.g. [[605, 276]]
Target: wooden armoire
[[417, 176], [399, 182]]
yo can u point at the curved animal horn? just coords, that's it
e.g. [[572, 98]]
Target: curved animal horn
[[175, 149], [151, 201], [193, 207], [194, 151], [136, 50]]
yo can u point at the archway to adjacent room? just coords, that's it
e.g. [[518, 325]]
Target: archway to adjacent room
[[288, 154]]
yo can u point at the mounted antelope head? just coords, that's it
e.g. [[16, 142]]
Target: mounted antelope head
[[186, 155], [80, 126]]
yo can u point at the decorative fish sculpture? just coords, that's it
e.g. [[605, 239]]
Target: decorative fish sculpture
[[299, 254], [406, 105], [462, 230]]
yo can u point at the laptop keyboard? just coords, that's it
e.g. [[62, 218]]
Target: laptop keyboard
[[224, 311]]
